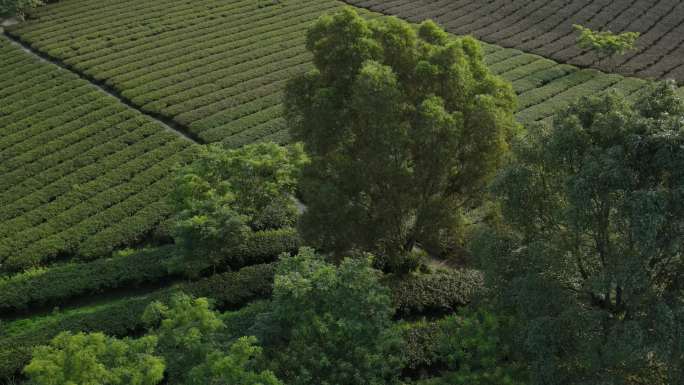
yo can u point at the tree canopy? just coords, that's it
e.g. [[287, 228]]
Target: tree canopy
[[233, 367], [225, 194], [331, 324], [404, 128], [592, 263], [95, 359]]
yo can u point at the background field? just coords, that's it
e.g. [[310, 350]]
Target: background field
[[218, 68], [544, 27]]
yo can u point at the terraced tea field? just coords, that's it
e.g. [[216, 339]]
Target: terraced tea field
[[80, 172], [544, 27], [218, 68], [77, 162]]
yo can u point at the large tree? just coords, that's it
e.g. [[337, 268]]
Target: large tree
[[592, 263], [404, 128]]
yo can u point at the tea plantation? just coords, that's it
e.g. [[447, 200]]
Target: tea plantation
[[102, 102]]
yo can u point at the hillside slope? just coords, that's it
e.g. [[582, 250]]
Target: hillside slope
[[544, 27], [80, 172], [218, 68]]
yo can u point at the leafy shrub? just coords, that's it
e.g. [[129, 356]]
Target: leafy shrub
[[421, 345], [233, 367], [224, 195], [473, 351], [187, 330], [96, 359]]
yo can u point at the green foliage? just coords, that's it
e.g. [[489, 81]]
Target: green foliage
[[421, 345], [589, 257], [404, 129], [331, 324], [605, 43], [95, 359], [471, 346], [234, 367], [17, 7], [123, 317], [187, 330], [193, 340], [225, 194]]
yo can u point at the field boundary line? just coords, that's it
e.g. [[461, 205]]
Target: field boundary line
[[163, 121]]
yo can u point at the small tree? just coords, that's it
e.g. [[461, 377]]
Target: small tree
[[331, 324], [592, 263], [188, 330], [225, 194], [193, 341], [605, 44], [235, 367], [86, 359], [404, 128]]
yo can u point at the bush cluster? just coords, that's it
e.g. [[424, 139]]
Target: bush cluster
[[123, 317]]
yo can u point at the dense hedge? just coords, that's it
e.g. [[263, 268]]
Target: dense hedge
[[263, 246], [438, 292], [123, 317], [51, 285]]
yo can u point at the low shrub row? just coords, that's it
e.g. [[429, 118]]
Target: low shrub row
[[196, 63], [72, 218], [123, 317], [512, 63], [229, 291], [564, 99], [548, 91], [58, 283]]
